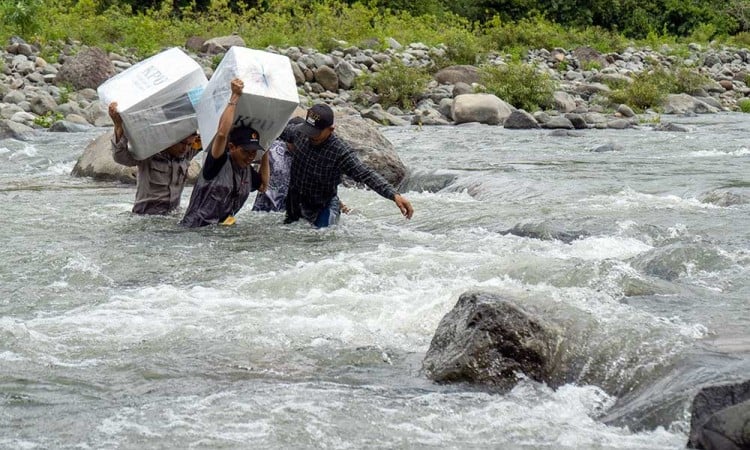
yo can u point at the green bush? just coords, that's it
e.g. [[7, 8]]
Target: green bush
[[46, 120], [538, 32], [520, 85], [689, 81], [591, 64], [65, 90], [740, 39], [462, 47], [21, 16], [647, 90], [744, 105], [396, 84]]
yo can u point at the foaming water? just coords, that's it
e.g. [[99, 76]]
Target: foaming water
[[744, 151], [118, 330]]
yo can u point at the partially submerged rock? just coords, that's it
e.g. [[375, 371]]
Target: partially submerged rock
[[372, 147], [721, 417], [488, 339], [545, 231]]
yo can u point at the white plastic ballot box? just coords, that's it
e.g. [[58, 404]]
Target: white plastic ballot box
[[156, 99], [268, 99]]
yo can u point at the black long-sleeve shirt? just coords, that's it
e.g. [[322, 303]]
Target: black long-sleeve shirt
[[317, 169]]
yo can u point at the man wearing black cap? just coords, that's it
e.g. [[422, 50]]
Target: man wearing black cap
[[320, 159], [227, 177]]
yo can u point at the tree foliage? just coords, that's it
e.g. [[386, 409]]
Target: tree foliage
[[469, 29]]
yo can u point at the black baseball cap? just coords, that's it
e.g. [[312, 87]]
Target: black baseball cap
[[318, 118], [246, 138]]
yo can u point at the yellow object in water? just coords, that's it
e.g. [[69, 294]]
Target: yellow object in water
[[230, 220]]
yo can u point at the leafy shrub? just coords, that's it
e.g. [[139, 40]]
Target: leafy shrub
[[65, 91], [396, 84], [744, 105], [21, 15], [591, 64], [462, 47], [46, 120], [216, 60], [538, 32], [689, 81], [519, 84], [703, 32], [740, 39], [647, 90]]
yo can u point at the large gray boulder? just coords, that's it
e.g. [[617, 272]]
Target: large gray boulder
[[684, 103], [563, 101], [520, 120], [96, 162], [88, 69], [10, 129], [721, 418], [377, 114], [559, 122], [327, 78], [586, 55], [346, 74], [222, 44], [482, 108], [458, 74], [372, 147], [487, 339]]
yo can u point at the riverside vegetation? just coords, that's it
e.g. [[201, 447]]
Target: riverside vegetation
[[522, 56]]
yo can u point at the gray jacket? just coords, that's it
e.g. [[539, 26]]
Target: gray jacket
[[216, 199], [160, 180]]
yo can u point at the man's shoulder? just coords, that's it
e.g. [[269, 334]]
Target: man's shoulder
[[339, 144]]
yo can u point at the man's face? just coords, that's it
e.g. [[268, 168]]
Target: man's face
[[322, 136], [179, 149], [241, 156]]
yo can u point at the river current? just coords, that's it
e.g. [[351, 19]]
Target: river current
[[118, 331]]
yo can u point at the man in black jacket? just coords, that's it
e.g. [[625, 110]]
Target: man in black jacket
[[320, 159]]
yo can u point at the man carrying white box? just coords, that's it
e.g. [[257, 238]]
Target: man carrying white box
[[161, 177], [156, 101], [268, 101], [227, 177], [152, 107]]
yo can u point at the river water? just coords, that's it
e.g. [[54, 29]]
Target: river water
[[119, 331]]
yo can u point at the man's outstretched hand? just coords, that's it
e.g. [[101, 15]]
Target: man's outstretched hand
[[404, 205]]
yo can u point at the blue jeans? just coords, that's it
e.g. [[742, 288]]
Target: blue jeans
[[329, 215]]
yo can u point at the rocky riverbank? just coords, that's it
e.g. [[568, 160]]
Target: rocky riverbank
[[61, 95]]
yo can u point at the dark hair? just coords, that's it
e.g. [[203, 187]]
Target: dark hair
[[296, 120]]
